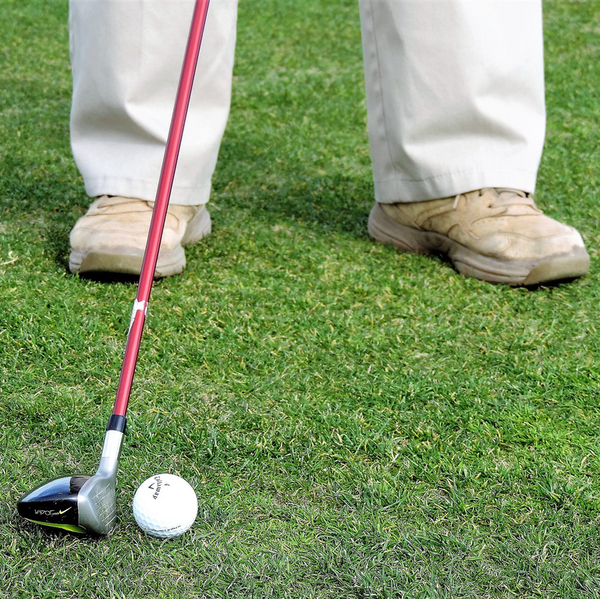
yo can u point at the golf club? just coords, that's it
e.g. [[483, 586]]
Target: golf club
[[86, 504]]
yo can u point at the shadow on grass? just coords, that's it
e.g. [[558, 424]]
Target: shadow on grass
[[272, 188], [336, 204], [51, 534]]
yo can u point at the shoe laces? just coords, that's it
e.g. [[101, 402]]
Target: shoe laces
[[503, 197]]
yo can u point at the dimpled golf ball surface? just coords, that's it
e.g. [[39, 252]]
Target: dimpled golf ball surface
[[165, 506]]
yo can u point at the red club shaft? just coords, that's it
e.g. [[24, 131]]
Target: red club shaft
[[161, 205]]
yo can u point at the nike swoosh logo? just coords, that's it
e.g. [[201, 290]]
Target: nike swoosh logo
[[61, 512]]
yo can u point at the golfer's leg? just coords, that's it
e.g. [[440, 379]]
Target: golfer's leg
[[126, 60], [456, 113], [127, 57], [455, 93]]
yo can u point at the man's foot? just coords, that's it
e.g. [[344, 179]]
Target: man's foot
[[111, 237], [496, 235]]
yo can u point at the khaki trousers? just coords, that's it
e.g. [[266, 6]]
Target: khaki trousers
[[455, 94]]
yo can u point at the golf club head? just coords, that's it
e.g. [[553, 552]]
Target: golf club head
[[81, 504], [55, 503]]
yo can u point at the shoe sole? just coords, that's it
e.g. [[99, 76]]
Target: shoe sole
[[128, 260], [566, 266]]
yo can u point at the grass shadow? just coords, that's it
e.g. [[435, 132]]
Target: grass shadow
[[270, 190], [104, 277]]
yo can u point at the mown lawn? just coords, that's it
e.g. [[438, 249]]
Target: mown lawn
[[356, 422]]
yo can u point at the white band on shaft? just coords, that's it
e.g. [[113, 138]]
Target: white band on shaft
[[138, 307]]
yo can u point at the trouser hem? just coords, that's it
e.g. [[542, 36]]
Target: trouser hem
[[145, 190], [398, 190]]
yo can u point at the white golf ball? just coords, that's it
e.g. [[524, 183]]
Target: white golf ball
[[165, 506]]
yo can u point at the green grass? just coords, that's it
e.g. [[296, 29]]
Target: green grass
[[356, 422]]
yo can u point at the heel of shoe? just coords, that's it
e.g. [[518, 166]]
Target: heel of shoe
[[386, 230], [200, 226]]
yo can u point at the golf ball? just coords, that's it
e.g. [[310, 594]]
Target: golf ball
[[165, 506]]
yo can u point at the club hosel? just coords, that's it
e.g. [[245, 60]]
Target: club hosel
[[111, 449]]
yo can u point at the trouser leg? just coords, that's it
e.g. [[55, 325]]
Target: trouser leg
[[126, 57], [455, 95]]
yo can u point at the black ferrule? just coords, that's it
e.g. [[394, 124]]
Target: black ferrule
[[117, 423]]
